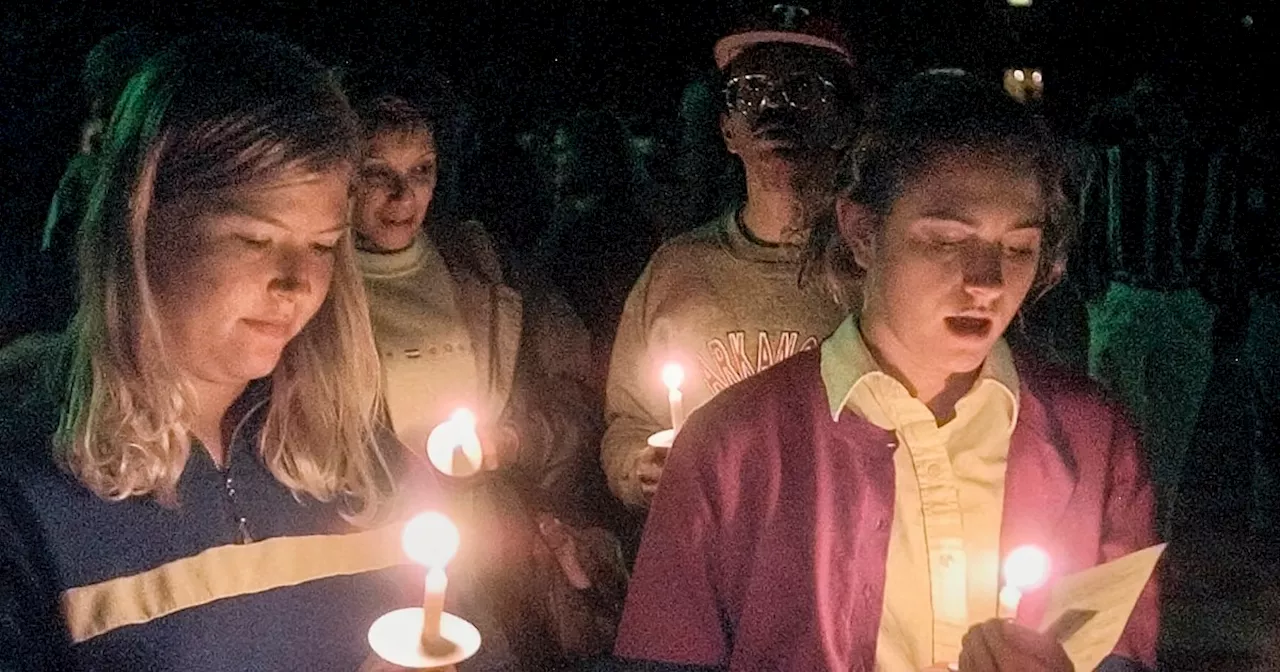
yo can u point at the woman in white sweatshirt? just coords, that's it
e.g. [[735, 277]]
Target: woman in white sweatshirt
[[454, 329]]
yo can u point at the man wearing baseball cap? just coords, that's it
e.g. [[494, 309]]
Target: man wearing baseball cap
[[727, 299]]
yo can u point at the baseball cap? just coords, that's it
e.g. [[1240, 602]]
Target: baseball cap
[[787, 24]]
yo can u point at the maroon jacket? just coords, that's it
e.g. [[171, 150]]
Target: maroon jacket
[[766, 544]]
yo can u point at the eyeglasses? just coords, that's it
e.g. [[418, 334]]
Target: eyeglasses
[[747, 94]]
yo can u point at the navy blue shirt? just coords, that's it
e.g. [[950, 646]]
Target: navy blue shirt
[[90, 584]]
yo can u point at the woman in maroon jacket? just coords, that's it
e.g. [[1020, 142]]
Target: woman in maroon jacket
[[848, 508]]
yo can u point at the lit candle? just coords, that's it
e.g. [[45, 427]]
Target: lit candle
[[454, 447], [1026, 568], [673, 378], [432, 540]]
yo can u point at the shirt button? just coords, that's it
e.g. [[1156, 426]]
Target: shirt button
[[934, 471], [880, 523]]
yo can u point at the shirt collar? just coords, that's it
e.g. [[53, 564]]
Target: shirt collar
[[743, 246], [846, 361], [393, 264]]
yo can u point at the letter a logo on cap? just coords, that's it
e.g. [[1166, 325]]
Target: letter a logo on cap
[[785, 23]]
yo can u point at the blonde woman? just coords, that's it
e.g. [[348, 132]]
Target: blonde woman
[[192, 479]]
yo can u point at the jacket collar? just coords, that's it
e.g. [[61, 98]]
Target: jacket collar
[[493, 311]]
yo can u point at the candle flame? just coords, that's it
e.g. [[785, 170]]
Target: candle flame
[[1026, 568], [431, 539], [464, 417], [673, 376]]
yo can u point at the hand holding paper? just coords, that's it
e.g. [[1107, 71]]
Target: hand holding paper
[[1000, 645], [1088, 611]]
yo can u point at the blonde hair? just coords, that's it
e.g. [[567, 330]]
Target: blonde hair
[[202, 122]]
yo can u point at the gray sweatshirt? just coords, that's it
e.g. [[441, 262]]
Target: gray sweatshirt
[[721, 305]]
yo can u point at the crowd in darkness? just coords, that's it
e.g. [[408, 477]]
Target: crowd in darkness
[[606, 220]]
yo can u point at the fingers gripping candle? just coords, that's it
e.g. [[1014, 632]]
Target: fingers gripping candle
[[454, 447]]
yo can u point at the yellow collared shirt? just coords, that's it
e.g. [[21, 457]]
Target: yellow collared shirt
[[943, 567]]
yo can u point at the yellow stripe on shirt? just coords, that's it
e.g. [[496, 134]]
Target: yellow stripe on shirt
[[223, 572]]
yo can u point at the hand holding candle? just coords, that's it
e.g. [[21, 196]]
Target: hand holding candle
[[673, 378], [454, 446], [1026, 568]]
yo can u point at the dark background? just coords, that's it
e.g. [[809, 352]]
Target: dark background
[[527, 66], [523, 63]]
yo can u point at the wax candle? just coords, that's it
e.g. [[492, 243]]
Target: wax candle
[[673, 378], [433, 605], [1026, 568], [1010, 597], [431, 539]]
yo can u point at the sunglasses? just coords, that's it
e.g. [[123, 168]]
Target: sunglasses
[[748, 94]]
